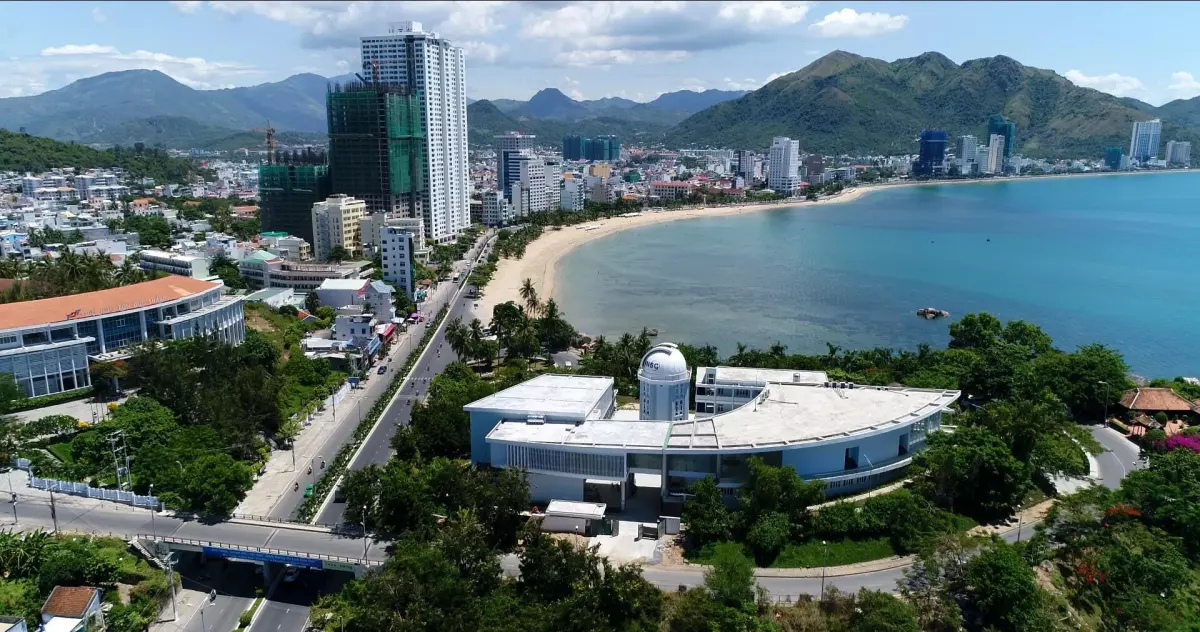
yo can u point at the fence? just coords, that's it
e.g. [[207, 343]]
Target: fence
[[87, 491]]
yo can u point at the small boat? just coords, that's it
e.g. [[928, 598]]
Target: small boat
[[932, 312]]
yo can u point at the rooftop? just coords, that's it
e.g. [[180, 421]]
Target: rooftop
[[730, 375], [789, 414], [600, 433], [90, 304], [343, 284], [572, 396], [573, 509], [69, 601], [1156, 399]]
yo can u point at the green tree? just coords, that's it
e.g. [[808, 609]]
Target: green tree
[[730, 577], [970, 471], [338, 254], [215, 483], [311, 302], [880, 612], [1004, 589], [705, 518]]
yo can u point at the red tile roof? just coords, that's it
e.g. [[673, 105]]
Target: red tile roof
[[1156, 399], [69, 601], [64, 308]]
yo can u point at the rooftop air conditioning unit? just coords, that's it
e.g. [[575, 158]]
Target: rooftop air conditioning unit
[[535, 420]]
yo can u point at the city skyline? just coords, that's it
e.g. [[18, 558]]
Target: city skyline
[[587, 50]]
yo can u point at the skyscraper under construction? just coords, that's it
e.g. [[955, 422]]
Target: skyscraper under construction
[[376, 145]]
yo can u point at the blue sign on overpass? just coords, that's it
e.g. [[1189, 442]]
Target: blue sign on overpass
[[263, 556]]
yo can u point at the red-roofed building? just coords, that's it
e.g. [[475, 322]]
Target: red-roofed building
[[46, 344]]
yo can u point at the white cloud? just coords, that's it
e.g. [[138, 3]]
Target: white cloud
[[573, 88], [56, 66], [1185, 85], [692, 83], [605, 58], [340, 24], [98, 15], [342, 64], [187, 6], [77, 49], [750, 83], [483, 52], [1114, 84], [764, 14], [851, 23]]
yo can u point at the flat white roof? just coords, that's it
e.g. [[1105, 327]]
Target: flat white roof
[[572, 396], [747, 375], [342, 284], [600, 433], [786, 414], [574, 509]]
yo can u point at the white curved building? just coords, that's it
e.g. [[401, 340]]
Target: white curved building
[[566, 432]]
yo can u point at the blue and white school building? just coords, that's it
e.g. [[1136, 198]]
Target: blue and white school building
[[568, 434]]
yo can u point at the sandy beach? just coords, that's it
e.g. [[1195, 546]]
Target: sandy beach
[[542, 256]]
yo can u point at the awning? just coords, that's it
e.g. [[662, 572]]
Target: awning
[[387, 331]]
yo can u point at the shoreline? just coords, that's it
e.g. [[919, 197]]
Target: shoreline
[[544, 254]]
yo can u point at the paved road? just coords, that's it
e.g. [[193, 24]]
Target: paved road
[[289, 504], [234, 582], [287, 610], [377, 448]]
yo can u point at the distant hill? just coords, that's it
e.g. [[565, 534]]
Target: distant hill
[[485, 121], [22, 152], [847, 103], [691, 101], [1183, 112], [148, 106]]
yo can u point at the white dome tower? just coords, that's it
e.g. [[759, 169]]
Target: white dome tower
[[665, 384]]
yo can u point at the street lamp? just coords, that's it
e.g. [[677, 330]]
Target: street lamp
[[870, 489], [153, 510], [824, 561], [366, 539], [1105, 400]]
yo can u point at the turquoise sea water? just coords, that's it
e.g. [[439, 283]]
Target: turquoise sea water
[[1095, 259]]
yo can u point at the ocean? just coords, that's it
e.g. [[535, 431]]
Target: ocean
[[1113, 260]]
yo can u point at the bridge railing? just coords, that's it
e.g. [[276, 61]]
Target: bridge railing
[[257, 549]]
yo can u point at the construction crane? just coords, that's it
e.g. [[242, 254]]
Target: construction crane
[[270, 132]]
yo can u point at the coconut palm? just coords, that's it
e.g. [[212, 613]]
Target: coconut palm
[[458, 337], [529, 294], [129, 273]]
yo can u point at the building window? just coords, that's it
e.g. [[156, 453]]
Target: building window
[[851, 458]]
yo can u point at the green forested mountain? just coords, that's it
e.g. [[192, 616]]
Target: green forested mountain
[[21, 152], [848, 103], [485, 120]]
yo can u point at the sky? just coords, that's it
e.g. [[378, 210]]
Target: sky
[[591, 50]]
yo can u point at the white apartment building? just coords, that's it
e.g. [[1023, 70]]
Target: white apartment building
[[371, 225], [174, 263], [336, 223], [287, 247], [424, 62], [995, 154], [784, 174], [530, 192], [1143, 144], [573, 195], [671, 190], [1179, 152], [396, 250], [497, 211], [967, 146]]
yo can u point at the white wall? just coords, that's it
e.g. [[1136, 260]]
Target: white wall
[[546, 487]]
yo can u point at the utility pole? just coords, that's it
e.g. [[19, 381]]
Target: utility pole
[[169, 560], [824, 558], [13, 495], [112, 444], [53, 512]]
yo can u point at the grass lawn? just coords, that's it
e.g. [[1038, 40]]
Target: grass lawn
[[813, 554], [61, 451]]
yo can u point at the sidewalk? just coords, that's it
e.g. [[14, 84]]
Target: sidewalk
[[82, 409]]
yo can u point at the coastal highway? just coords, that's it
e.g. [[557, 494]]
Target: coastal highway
[[349, 415]]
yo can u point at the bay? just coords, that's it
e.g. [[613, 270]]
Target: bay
[[1089, 259]]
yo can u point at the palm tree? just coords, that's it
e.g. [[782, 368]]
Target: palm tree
[[458, 337], [530, 296], [475, 338], [129, 273]]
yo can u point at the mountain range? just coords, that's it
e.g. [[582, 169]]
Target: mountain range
[[839, 103], [844, 102]]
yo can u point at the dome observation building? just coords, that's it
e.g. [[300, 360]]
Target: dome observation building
[[665, 383], [574, 443]]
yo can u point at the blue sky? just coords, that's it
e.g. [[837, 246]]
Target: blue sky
[[596, 49]]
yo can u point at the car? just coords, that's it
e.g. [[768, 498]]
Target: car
[[339, 496], [290, 573], [308, 490], [382, 370]]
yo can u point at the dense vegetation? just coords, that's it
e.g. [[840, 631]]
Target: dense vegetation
[[34, 563], [69, 273], [846, 103], [22, 152]]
